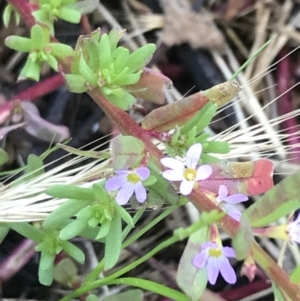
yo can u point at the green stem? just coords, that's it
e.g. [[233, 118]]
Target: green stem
[[136, 282]]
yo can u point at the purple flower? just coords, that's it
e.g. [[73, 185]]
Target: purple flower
[[129, 182], [293, 230], [226, 202], [186, 173], [215, 259]]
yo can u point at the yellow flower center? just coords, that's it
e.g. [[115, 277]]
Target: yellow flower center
[[190, 174], [215, 252], [133, 178]]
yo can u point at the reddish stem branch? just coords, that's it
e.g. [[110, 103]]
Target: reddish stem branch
[[24, 9], [17, 259]]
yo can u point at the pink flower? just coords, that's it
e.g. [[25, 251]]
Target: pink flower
[[215, 258], [226, 202], [129, 182], [187, 173]]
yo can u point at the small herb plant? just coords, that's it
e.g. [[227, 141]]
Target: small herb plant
[[185, 168]]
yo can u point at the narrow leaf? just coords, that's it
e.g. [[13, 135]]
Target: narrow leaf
[[73, 229], [243, 240], [3, 232], [126, 152], [57, 218], [71, 192], [189, 278], [113, 243], [276, 203], [73, 251]]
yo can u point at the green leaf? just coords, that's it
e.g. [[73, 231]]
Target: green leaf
[[196, 120], [126, 217], [295, 275], [151, 180], [85, 6], [208, 159], [30, 70], [92, 298], [163, 187], [65, 271], [100, 193], [57, 218], [71, 192], [114, 37], [129, 79], [138, 59], [124, 102], [46, 276], [104, 52], [3, 156], [205, 118], [27, 230], [90, 53], [126, 152], [104, 230], [75, 83], [131, 295], [73, 251], [87, 73], [218, 147], [40, 37], [276, 203], [52, 62], [191, 280], [243, 240], [73, 229], [7, 15], [18, 43], [202, 138], [3, 232], [121, 56], [69, 15], [46, 260], [113, 243], [60, 50]]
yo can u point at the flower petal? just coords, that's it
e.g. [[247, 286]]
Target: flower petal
[[223, 192], [203, 172], [125, 193], [140, 192], [200, 259], [227, 271], [193, 155], [143, 173], [123, 172], [231, 211], [173, 175], [228, 252], [212, 270], [186, 187], [236, 198], [172, 163], [115, 182]]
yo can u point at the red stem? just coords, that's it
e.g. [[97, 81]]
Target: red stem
[[14, 262]]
